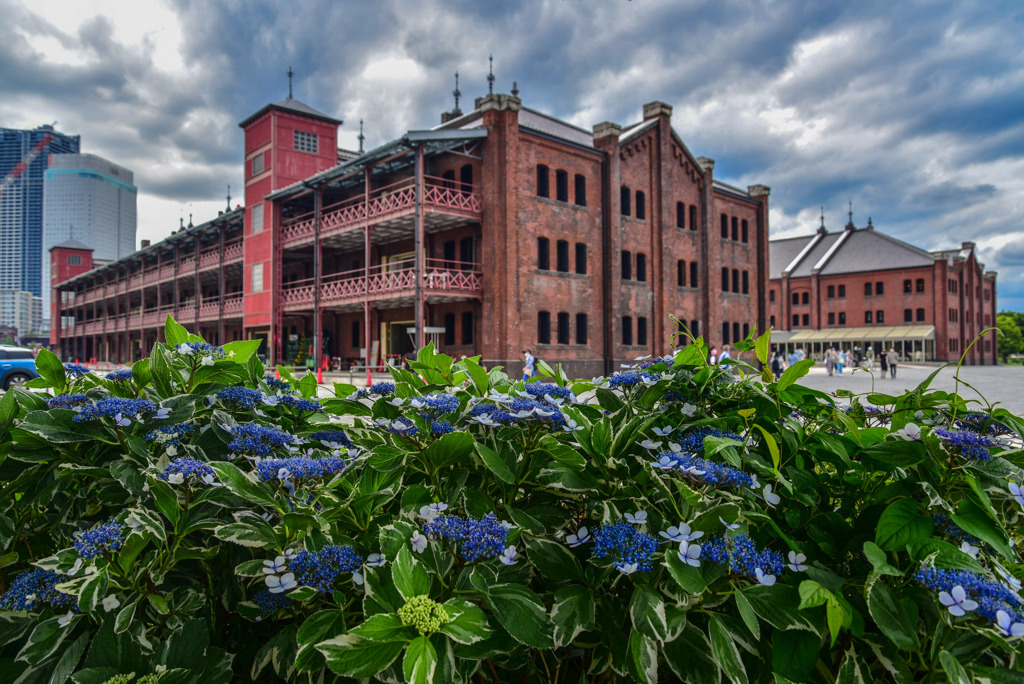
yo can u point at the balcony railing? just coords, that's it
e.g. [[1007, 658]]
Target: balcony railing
[[439, 195], [398, 278]]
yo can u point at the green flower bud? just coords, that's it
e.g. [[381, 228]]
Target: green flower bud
[[425, 615]]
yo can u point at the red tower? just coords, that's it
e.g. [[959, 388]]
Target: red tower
[[67, 260]]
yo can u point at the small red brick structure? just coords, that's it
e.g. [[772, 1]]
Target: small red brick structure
[[860, 289], [499, 230]]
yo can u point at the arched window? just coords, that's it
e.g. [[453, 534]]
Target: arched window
[[693, 274], [736, 332], [725, 280], [746, 282], [735, 229], [680, 215], [725, 227], [543, 188], [879, 317], [448, 180], [681, 273], [466, 177], [624, 197], [627, 265], [563, 327], [695, 328], [562, 256], [627, 330], [641, 331], [725, 333], [562, 185], [735, 280], [641, 267], [693, 217], [641, 205], [543, 327], [543, 258], [744, 229], [581, 328], [805, 298], [581, 190], [581, 257]]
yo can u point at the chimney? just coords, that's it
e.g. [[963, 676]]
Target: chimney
[[145, 244]]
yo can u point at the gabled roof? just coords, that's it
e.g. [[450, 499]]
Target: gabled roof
[[72, 243], [290, 104], [781, 253], [542, 123], [869, 250], [812, 257]]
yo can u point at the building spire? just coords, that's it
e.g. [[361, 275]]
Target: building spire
[[290, 74], [490, 76], [851, 212], [456, 93], [515, 89], [229, 199], [361, 136]]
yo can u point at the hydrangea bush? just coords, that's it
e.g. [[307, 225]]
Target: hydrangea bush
[[195, 520]]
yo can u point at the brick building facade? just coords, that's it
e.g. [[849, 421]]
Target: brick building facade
[[499, 230], [860, 289]]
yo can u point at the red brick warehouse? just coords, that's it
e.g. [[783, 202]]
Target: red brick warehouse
[[859, 288], [499, 230]]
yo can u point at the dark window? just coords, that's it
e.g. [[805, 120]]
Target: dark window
[[805, 298], [831, 291], [695, 328], [448, 180], [624, 197], [627, 265], [561, 185], [693, 274], [581, 189], [467, 253], [879, 317], [641, 331], [466, 177], [771, 295], [725, 333], [581, 257], [467, 327], [879, 288], [563, 327], [735, 228], [680, 338], [746, 282], [908, 286], [771, 321], [746, 330], [831, 319], [562, 256], [449, 254], [693, 217], [920, 315], [796, 320], [920, 287], [74, 260], [543, 327], [908, 316], [867, 289], [543, 260], [449, 328], [357, 340], [842, 291], [796, 297], [725, 280], [842, 318], [735, 280], [543, 190], [725, 227], [681, 273], [641, 267], [744, 230], [627, 330], [641, 205], [736, 332], [581, 328], [680, 215], [806, 320], [867, 316]]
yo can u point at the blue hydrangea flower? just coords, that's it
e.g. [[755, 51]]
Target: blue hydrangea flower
[[377, 389], [965, 443], [169, 435], [321, 569], [298, 468], [277, 384], [67, 401], [517, 410], [187, 469], [945, 525], [240, 397], [991, 596], [402, 427], [300, 405], [544, 390], [114, 407], [201, 350], [268, 603], [982, 424], [122, 375], [258, 440], [103, 538], [434, 405], [628, 547], [36, 588], [624, 379], [743, 557], [331, 438], [703, 470], [475, 538], [75, 370], [692, 442], [440, 427]]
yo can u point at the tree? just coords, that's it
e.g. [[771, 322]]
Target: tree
[[1011, 340]]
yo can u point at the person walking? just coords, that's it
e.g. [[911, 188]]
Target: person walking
[[723, 356], [713, 359], [841, 362], [893, 358], [777, 364], [830, 363], [883, 362], [529, 362]]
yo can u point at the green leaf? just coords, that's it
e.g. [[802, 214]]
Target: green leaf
[[352, 656], [894, 453], [850, 671], [688, 577], [973, 520], [467, 621], [44, 640], [794, 654], [763, 346], [773, 447], [408, 575], [554, 561], [879, 560], [778, 605], [689, 657], [954, 670], [165, 498], [477, 374], [92, 591], [890, 617], [901, 523], [238, 483], [243, 349], [792, 374], [521, 612], [420, 661], [726, 653], [51, 369], [245, 534], [643, 658], [748, 615], [453, 448], [495, 463], [572, 613], [382, 627], [174, 333], [124, 617], [647, 611]]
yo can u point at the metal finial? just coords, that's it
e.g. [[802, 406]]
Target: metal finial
[[457, 93], [851, 212], [515, 89], [490, 76], [290, 74], [361, 136], [181, 222], [229, 198], [823, 216]]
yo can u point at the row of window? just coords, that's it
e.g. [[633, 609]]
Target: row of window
[[918, 286], [954, 345], [681, 273], [736, 281], [561, 185], [734, 329], [561, 256], [682, 340], [562, 318], [467, 328], [954, 316], [681, 213], [641, 331], [465, 179], [641, 266], [952, 286], [740, 229], [641, 203]]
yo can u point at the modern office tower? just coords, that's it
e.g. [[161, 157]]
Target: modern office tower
[[24, 157]]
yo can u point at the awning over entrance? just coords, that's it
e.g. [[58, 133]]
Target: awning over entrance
[[895, 333]]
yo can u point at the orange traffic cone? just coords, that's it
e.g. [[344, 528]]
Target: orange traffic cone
[[320, 375], [277, 373]]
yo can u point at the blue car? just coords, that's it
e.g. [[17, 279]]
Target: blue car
[[17, 366]]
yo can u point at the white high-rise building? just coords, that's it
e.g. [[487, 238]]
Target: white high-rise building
[[92, 200]]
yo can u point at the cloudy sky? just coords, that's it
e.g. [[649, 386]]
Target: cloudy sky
[[914, 111]]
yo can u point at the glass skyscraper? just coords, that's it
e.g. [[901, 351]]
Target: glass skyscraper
[[21, 205]]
